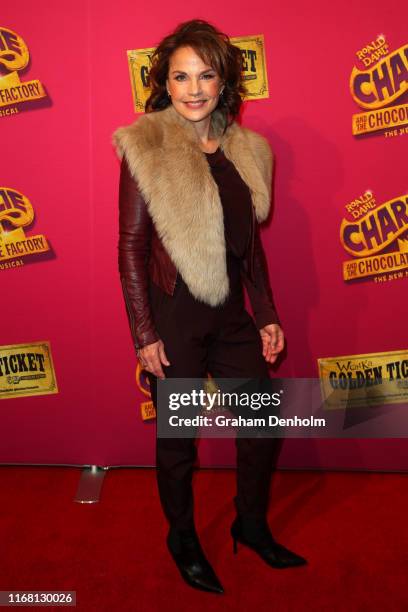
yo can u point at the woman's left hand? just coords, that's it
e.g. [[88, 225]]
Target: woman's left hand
[[272, 341]]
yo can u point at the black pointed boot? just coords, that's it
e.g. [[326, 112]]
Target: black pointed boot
[[185, 548], [255, 534]]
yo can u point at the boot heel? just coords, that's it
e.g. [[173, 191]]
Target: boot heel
[[260, 540]]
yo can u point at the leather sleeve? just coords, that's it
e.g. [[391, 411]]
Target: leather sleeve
[[259, 291], [135, 230]]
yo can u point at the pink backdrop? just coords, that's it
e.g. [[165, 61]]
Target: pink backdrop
[[60, 155]]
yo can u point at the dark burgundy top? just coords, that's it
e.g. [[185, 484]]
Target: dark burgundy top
[[235, 199]]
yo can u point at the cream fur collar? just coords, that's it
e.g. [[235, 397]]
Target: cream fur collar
[[182, 198]]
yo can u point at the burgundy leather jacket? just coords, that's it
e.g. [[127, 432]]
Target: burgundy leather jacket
[[142, 256]]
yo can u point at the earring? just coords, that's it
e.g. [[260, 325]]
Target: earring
[[169, 94]]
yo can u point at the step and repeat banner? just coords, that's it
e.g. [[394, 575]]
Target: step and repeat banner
[[328, 87]]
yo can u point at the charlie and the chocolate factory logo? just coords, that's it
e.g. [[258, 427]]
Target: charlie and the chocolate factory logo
[[14, 57], [376, 236], [378, 84], [17, 212]]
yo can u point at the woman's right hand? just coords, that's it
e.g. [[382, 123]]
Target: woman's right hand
[[151, 358]]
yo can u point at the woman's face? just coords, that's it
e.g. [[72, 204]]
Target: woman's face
[[193, 85]]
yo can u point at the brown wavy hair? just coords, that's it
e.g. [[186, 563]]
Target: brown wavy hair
[[215, 49]]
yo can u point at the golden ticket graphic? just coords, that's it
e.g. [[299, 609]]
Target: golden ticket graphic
[[16, 210], [147, 409], [380, 85], [373, 229], [14, 56], [254, 76], [364, 380], [27, 369]]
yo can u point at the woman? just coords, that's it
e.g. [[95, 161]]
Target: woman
[[193, 187]]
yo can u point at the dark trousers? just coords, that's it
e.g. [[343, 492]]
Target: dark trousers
[[223, 341]]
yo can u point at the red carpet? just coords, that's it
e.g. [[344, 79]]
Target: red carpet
[[350, 526]]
